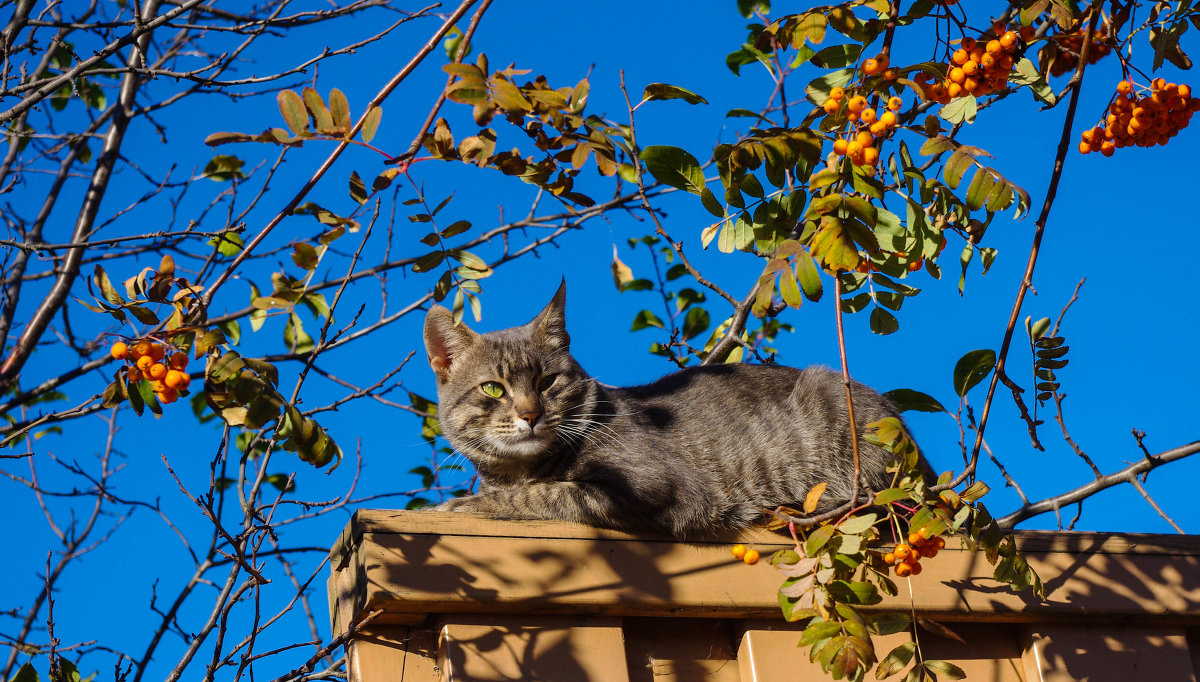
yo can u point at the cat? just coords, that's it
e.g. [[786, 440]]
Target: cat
[[699, 452]]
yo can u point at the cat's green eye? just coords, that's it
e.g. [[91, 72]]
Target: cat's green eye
[[546, 382], [493, 389]]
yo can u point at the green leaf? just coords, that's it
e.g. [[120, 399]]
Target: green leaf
[[809, 277], [371, 123], [662, 91], [339, 109], [905, 399], [883, 322], [358, 190], [695, 323], [229, 244], [945, 668], [429, 261], [817, 539], [857, 524], [973, 368], [837, 56], [818, 90], [294, 113], [305, 256], [896, 660], [960, 110], [890, 495], [223, 168], [644, 319], [675, 167]]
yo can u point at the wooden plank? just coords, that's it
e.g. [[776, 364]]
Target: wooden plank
[[396, 653], [532, 648], [421, 573], [1066, 653], [680, 650]]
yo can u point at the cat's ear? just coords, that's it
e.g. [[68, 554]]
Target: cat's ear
[[551, 324], [444, 340]]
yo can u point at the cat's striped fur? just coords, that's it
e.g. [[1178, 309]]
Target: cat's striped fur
[[697, 452]]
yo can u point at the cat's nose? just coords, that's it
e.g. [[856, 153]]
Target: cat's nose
[[531, 417]]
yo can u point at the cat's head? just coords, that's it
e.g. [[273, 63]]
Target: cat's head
[[508, 396]]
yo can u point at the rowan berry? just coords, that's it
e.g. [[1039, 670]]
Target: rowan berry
[[119, 350], [751, 557]]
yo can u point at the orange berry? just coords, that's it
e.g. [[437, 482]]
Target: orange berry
[[868, 115], [1184, 91], [174, 378], [739, 551], [870, 67], [916, 567], [914, 539], [1009, 40], [955, 90], [1026, 33], [882, 60], [968, 44], [839, 147], [837, 94], [857, 103], [119, 350], [998, 27], [929, 552], [902, 551], [831, 106], [891, 73], [894, 104], [960, 57], [178, 360], [916, 265], [994, 47], [879, 128], [888, 119], [988, 61], [751, 557], [158, 386], [134, 374], [889, 558], [166, 396], [903, 569], [865, 138], [854, 147], [1158, 83], [157, 352], [870, 156], [971, 67], [957, 75], [1124, 87], [970, 85], [157, 371], [852, 117], [144, 362], [140, 348]]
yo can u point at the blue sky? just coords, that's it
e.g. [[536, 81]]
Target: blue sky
[[1125, 223]]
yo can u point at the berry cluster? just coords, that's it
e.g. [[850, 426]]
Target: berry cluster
[[859, 144], [1141, 120], [1070, 44], [147, 360], [977, 68], [750, 556], [907, 557]]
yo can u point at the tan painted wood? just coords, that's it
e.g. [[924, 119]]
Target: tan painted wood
[[1070, 652], [393, 653], [570, 567], [546, 648], [466, 597]]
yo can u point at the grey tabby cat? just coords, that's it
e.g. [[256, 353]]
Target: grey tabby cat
[[698, 452]]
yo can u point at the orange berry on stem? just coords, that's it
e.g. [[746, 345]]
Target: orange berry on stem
[[903, 570], [157, 352], [902, 551], [888, 119], [839, 147], [119, 350], [1124, 87], [994, 47], [157, 370], [751, 557], [868, 115], [889, 558], [916, 567], [870, 67], [174, 378], [179, 360], [960, 57], [837, 93], [166, 396], [895, 104], [144, 362], [857, 103], [891, 73], [968, 44], [739, 551], [870, 156], [831, 106], [140, 348]]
